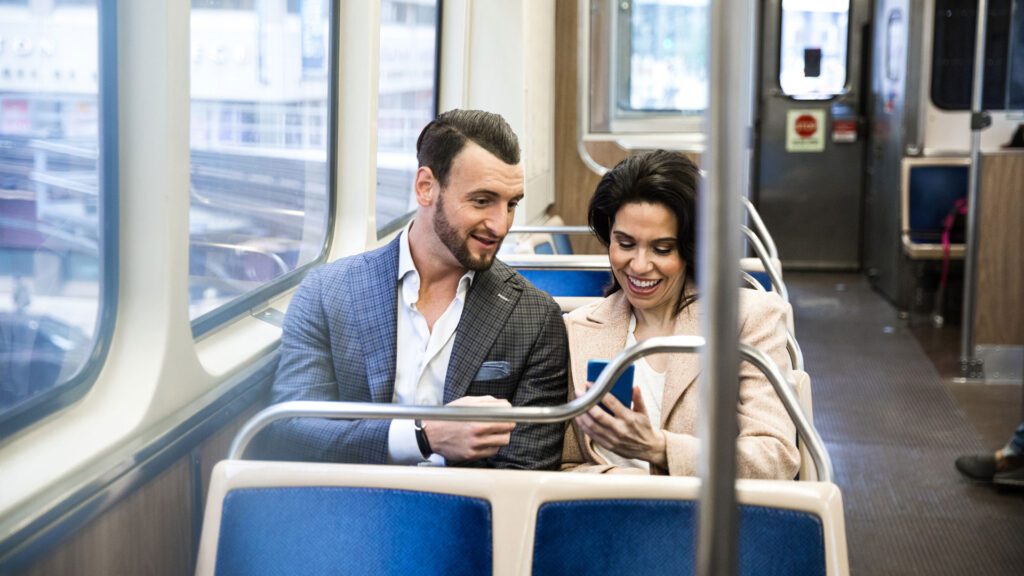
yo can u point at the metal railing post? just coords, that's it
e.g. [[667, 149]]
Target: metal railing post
[[970, 366], [729, 121]]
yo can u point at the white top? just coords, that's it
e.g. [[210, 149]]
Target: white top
[[421, 361], [652, 388]]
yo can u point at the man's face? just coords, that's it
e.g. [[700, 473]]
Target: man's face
[[474, 210]]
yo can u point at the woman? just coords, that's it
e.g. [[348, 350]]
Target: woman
[[644, 211]]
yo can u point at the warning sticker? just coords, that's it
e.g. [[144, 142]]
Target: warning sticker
[[805, 131]]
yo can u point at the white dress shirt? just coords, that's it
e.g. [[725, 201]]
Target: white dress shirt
[[422, 355], [652, 389]]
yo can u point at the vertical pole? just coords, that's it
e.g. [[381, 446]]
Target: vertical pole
[[970, 367], [725, 162]]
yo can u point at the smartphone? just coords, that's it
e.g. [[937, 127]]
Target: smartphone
[[623, 388]]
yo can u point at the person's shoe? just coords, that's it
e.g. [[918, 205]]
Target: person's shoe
[[978, 467], [1010, 471]]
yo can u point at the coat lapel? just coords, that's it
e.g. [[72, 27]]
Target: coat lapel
[[490, 301], [683, 369], [379, 284]]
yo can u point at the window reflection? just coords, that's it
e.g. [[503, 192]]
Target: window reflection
[[259, 175], [50, 198], [408, 55], [812, 60]]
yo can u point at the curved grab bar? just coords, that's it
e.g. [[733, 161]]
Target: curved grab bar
[[583, 85], [762, 255], [754, 282], [571, 230], [804, 429], [546, 414], [796, 354], [762, 230]]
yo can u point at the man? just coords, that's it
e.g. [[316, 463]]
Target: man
[[431, 318]]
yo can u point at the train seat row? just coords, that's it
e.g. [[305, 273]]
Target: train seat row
[[302, 518]]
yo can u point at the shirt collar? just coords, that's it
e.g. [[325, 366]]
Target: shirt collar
[[406, 265]]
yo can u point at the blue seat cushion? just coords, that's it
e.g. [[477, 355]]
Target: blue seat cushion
[[654, 537], [353, 531], [569, 282]]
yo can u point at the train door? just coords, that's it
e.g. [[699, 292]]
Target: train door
[[810, 146]]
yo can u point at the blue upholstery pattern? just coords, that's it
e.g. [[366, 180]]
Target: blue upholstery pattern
[[569, 282], [352, 531], [654, 537], [932, 192]]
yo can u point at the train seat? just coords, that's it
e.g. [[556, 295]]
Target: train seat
[[929, 190], [301, 518]]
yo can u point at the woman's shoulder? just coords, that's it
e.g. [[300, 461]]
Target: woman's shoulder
[[757, 302], [601, 310]]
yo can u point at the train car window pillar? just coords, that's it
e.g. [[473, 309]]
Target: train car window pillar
[[813, 48]]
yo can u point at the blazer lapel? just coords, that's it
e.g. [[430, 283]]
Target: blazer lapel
[[490, 301], [683, 369], [379, 286]]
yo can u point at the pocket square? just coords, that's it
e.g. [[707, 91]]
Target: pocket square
[[493, 370]]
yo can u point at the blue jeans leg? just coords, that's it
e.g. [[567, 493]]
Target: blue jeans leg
[[1016, 445]]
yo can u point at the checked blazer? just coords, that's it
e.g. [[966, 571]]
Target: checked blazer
[[339, 344]]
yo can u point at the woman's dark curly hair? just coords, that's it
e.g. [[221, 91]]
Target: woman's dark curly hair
[[659, 177]]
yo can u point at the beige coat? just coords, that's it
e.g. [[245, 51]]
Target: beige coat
[[766, 447]]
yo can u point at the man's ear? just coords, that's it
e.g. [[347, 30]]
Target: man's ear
[[427, 187]]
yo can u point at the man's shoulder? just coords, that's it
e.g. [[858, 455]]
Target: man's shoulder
[[352, 266]]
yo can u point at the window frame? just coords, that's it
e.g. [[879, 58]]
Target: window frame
[[945, 103], [616, 119], [108, 166], [400, 222], [847, 85], [249, 302]]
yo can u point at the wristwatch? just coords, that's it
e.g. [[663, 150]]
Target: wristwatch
[[421, 438]]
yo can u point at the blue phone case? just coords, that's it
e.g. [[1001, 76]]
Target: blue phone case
[[623, 388]]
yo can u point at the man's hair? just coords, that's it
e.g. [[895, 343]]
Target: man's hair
[[443, 138], [659, 177]]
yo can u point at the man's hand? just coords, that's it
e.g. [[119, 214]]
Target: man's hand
[[464, 441]]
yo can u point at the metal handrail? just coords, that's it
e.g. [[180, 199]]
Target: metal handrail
[[754, 282], [557, 261], [546, 414], [804, 429], [570, 230], [796, 354], [769, 267], [583, 86], [760, 228]]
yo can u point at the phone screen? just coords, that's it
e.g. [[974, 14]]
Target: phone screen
[[623, 388]]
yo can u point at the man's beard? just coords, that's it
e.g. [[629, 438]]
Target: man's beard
[[457, 246]]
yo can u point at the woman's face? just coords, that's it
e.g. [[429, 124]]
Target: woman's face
[[644, 254]]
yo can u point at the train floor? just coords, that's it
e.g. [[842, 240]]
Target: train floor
[[894, 422]]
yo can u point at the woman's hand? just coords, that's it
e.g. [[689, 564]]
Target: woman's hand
[[628, 433]]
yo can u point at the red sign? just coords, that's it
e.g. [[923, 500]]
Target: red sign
[[806, 126], [844, 130]]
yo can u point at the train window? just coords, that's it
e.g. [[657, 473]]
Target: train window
[[953, 59], [1015, 89], [409, 35], [665, 68], [58, 233], [812, 58], [260, 114]]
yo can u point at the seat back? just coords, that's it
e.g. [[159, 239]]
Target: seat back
[[929, 189], [301, 518]]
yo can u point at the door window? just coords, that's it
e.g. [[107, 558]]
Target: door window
[[813, 48]]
